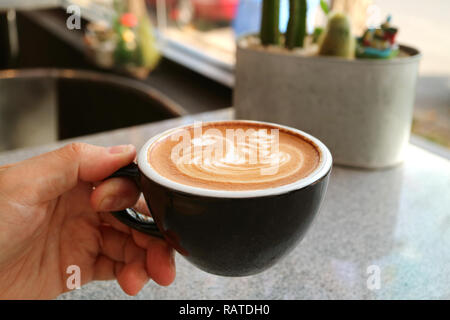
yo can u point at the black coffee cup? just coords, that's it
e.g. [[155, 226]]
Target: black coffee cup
[[228, 233]]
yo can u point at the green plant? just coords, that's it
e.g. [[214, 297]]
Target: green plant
[[149, 53], [324, 6], [136, 44], [296, 29], [270, 32], [338, 40]]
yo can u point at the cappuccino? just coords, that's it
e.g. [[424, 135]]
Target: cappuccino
[[234, 155]]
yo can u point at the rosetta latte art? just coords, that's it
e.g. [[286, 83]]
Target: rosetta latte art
[[233, 156], [238, 157]]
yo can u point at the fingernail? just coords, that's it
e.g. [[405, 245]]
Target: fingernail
[[110, 203], [125, 148]]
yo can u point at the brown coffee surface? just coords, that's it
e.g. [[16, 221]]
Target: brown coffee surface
[[233, 156]]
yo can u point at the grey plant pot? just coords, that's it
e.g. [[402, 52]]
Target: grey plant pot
[[361, 109]]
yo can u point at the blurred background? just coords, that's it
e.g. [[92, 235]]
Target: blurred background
[[195, 41]]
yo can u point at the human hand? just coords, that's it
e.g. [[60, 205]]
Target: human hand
[[54, 212]]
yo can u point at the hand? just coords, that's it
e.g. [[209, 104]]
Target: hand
[[54, 213]]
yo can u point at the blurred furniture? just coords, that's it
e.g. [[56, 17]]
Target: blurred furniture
[[43, 105]]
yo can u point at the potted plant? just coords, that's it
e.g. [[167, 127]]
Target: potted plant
[[360, 107], [125, 43]]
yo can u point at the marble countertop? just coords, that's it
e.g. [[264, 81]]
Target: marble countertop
[[392, 223]]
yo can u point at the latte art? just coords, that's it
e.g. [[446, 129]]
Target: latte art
[[214, 157], [233, 157]]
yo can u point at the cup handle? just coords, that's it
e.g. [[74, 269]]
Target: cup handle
[[129, 216]]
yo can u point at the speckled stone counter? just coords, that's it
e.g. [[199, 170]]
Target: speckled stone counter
[[394, 222]]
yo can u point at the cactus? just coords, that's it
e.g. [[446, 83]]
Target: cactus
[[270, 33], [296, 29], [338, 39], [149, 55]]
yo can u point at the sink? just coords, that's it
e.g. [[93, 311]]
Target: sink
[[39, 106]]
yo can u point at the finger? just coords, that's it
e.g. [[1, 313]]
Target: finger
[[96, 184], [109, 219], [160, 261], [120, 248], [141, 207], [118, 267], [114, 194], [114, 243], [104, 268], [6, 166], [49, 175], [133, 277], [160, 258]]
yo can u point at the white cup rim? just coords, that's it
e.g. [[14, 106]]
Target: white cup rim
[[322, 169]]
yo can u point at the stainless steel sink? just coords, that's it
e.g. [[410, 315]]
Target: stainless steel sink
[[38, 106]]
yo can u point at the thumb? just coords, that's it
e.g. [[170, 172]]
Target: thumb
[[49, 175]]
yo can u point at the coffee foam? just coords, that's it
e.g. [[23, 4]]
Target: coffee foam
[[210, 157]]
